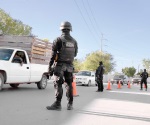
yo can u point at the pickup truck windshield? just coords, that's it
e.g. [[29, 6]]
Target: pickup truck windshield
[[5, 54], [83, 73]]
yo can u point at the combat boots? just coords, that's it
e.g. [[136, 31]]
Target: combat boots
[[69, 106], [55, 106]]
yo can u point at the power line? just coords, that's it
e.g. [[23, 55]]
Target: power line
[[90, 18], [84, 18], [96, 25], [93, 26], [98, 28], [93, 16]]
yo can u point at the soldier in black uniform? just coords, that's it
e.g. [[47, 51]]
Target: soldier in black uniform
[[99, 77], [64, 48], [144, 76]]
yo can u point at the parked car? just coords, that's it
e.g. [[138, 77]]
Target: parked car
[[85, 78], [122, 78], [136, 79]]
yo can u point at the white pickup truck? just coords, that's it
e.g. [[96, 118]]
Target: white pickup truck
[[18, 70]]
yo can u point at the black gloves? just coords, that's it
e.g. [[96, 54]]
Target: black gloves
[[51, 70]]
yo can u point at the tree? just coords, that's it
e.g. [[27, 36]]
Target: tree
[[146, 64], [129, 71], [12, 26], [92, 61], [77, 65], [46, 40]]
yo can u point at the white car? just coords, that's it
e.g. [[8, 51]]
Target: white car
[[85, 78], [136, 79]]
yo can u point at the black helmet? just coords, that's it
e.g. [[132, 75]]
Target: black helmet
[[66, 25], [100, 63]]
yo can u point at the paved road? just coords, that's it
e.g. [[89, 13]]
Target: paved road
[[26, 106]]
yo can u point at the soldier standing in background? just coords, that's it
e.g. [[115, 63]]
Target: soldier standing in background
[[99, 77], [144, 76]]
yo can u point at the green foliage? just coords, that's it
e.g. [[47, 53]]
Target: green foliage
[[138, 73], [11, 26], [146, 63], [46, 40], [129, 71], [77, 65], [92, 60]]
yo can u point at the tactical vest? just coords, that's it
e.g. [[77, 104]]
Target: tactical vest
[[145, 75], [100, 71], [67, 52]]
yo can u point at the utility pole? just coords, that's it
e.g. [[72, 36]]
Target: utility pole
[[101, 42], [102, 38], [138, 67]]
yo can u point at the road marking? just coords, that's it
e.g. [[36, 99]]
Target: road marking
[[109, 111], [137, 93]]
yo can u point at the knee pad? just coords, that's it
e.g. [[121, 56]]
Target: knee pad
[[59, 80]]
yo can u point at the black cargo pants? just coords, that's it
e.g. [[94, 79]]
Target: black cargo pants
[[145, 82], [100, 84], [63, 73]]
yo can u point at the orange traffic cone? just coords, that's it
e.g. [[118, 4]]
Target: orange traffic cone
[[108, 86], [74, 87], [144, 86], [129, 86], [119, 85]]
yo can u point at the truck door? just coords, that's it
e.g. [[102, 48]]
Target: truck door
[[19, 72]]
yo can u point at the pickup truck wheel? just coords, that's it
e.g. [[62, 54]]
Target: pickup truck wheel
[[43, 83], [14, 85], [1, 81], [89, 83]]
